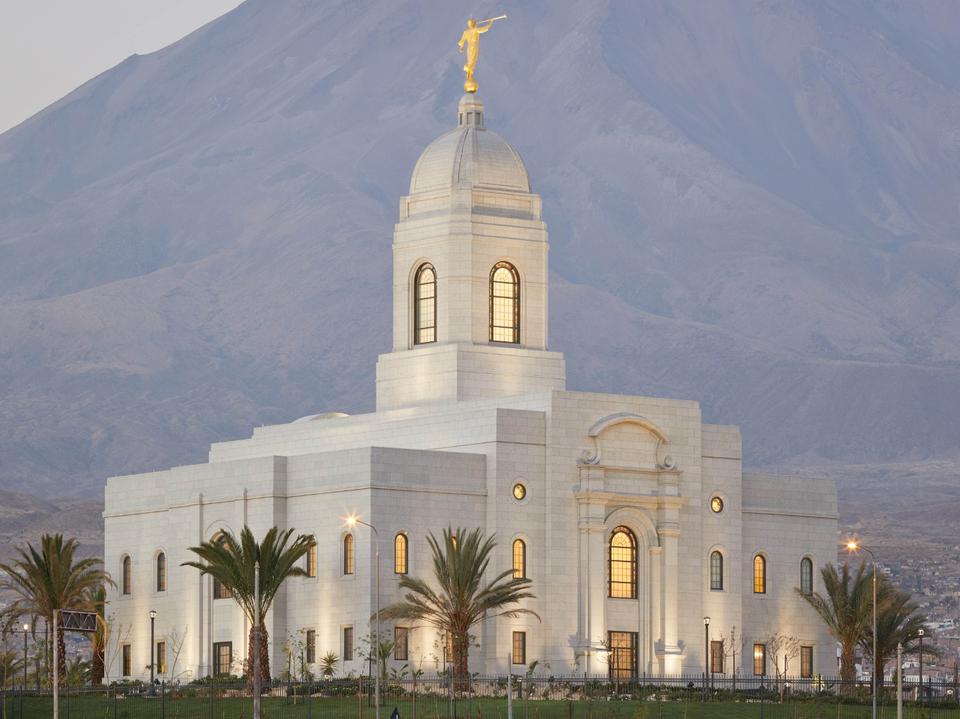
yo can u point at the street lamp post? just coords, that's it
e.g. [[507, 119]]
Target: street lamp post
[[920, 690], [153, 650], [353, 521], [26, 629], [854, 546], [706, 652]]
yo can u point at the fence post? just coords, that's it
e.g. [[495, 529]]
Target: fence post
[[360, 696], [509, 688], [210, 701], [762, 696], [309, 697], [163, 699], [115, 704]]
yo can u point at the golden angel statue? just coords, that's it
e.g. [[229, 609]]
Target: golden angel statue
[[471, 38]]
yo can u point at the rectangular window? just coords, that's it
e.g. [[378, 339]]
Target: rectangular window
[[312, 560], [125, 660], [222, 658], [161, 660], [401, 635], [448, 648], [220, 591], [519, 647], [348, 644], [623, 655], [759, 660], [716, 657], [311, 646], [806, 662]]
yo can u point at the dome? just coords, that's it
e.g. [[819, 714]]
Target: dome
[[469, 156]]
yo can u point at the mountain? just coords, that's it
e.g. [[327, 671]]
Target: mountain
[[752, 204]]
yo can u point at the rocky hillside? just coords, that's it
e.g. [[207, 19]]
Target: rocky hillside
[[752, 204]]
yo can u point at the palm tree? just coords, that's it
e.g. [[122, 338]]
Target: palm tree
[[11, 667], [846, 610], [46, 579], [460, 600], [897, 622], [98, 639], [231, 562]]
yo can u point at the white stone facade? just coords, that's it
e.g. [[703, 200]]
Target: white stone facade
[[459, 422]]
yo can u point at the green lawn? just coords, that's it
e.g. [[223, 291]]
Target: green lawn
[[438, 707]]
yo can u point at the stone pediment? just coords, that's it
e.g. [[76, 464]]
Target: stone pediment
[[627, 440]]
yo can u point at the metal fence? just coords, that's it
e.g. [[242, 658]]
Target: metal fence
[[476, 697]]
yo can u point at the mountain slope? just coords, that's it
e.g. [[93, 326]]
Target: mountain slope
[[754, 205]]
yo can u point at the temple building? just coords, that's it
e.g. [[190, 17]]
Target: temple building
[[631, 516]]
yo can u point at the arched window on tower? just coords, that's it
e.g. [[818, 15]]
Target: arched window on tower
[[126, 576], [504, 303], [623, 564], [425, 305], [400, 556], [759, 574], [348, 554], [161, 572], [716, 571], [806, 576], [519, 559]]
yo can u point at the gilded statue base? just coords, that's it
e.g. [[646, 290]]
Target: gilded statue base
[[470, 86]]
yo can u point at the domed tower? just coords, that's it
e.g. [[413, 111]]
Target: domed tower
[[469, 276]]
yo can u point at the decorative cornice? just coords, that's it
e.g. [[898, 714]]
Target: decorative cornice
[[647, 501]]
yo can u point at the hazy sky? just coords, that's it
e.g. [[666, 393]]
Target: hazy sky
[[49, 47]]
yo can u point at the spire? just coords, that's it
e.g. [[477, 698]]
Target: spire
[[470, 111]]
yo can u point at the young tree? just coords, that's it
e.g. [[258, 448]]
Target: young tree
[[459, 598], [782, 648], [176, 639], [846, 610], [328, 664], [46, 579], [231, 561], [731, 649]]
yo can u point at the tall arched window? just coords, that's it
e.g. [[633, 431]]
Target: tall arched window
[[161, 572], [716, 571], [425, 305], [400, 554], [759, 574], [623, 564], [220, 591], [504, 303], [806, 576], [519, 559], [126, 576], [348, 554], [311, 563]]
